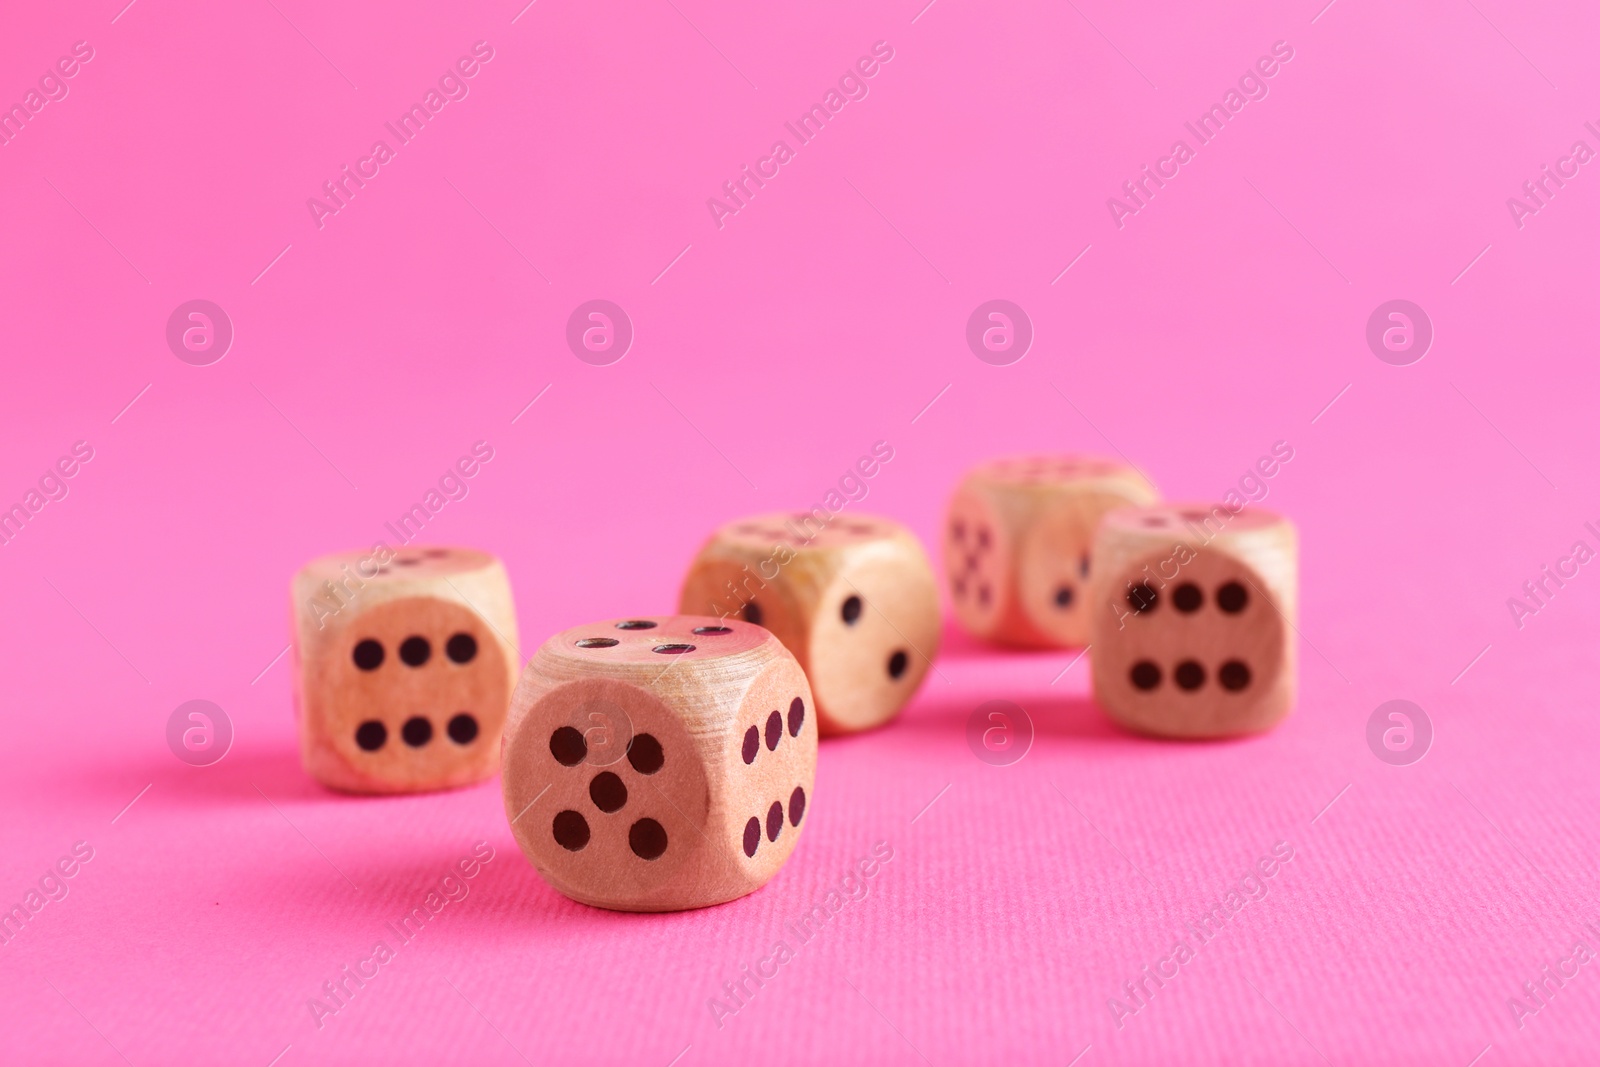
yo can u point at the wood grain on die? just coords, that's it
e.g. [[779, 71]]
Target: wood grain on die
[[403, 669], [1193, 619], [639, 752], [854, 599], [1018, 544]]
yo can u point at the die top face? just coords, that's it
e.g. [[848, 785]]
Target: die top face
[[1053, 470], [630, 787], [656, 643], [800, 530], [410, 694], [1190, 520], [414, 563]]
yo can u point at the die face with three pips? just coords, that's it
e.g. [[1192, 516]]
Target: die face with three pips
[[1018, 544], [404, 664], [1193, 619], [660, 763], [854, 599]]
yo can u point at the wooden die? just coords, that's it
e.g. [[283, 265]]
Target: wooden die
[[1193, 620], [404, 665], [1018, 544], [853, 597], [659, 764]]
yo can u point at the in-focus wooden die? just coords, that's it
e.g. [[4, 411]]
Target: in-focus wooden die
[[853, 598], [1193, 620], [660, 763], [1018, 544], [404, 664]]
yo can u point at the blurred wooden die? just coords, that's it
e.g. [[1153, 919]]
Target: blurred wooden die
[[854, 598], [404, 662], [1018, 545], [1193, 620]]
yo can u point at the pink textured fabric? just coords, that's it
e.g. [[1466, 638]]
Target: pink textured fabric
[[1190, 324]]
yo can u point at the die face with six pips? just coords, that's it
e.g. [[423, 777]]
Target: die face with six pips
[[853, 598], [1193, 619], [660, 763], [1018, 544], [403, 668]]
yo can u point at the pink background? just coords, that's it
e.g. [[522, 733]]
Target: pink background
[[1223, 317]]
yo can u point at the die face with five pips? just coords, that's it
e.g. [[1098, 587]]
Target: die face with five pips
[[660, 763], [404, 665], [853, 598], [1018, 545], [1193, 620]]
